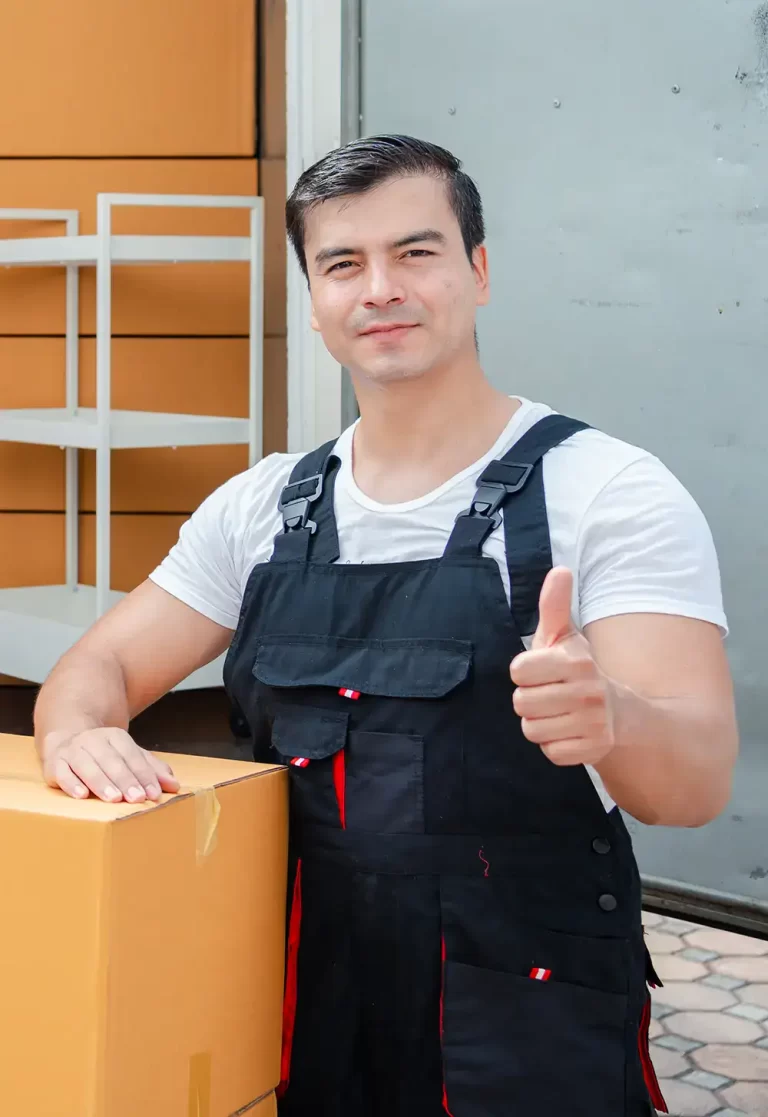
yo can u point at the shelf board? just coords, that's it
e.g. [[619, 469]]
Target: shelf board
[[58, 426], [83, 250], [38, 624]]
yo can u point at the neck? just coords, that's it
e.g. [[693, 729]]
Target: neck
[[415, 418], [418, 433]]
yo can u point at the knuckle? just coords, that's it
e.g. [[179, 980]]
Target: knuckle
[[583, 665], [531, 730]]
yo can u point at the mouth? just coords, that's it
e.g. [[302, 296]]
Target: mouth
[[392, 332]]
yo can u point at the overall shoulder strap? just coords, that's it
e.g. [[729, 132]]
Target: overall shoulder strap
[[526, 526], [306, 505], [514, 485]]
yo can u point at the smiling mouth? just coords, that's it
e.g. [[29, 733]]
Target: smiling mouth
[[388, 331]]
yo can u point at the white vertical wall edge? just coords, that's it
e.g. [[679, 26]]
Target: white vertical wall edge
[[314, 125]]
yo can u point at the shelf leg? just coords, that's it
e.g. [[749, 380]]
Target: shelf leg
[[256, 338], [103, 401], [71, 497], [71, 517]]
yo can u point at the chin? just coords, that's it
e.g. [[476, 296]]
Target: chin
[[391, 374]]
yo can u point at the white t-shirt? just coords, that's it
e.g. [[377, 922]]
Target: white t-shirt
[[634, 538]]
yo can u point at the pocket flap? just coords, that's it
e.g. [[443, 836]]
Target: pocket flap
[[392, 668], [314, 734]]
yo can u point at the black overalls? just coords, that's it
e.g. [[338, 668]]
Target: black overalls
[[465, 930]]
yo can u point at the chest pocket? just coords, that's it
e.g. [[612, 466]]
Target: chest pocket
[[351, 717]]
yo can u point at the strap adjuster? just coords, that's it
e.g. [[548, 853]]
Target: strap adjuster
[[295, 502], [496, 483]]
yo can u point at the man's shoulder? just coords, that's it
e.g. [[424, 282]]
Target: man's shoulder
[[590, 457], [254, 490], [594, 469]]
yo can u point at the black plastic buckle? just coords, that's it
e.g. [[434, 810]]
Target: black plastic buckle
[[492, 492], [295, 502]]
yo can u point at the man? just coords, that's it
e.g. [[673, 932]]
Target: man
[[471, 627]]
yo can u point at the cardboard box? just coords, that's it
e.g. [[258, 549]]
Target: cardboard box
[[142, 947]]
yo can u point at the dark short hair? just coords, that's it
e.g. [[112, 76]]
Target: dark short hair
[[366, 163]]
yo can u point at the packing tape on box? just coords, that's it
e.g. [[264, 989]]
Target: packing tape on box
[[207, 811], [200, 1085]]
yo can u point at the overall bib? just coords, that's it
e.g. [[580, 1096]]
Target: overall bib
[[464, 916]]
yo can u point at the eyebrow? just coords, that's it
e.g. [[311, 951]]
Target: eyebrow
[[420, 237]]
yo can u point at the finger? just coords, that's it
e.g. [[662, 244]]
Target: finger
[[64, 778], [541, 668], [549, 700], [138, 762], [568, 754], [168, 781], [108, 752], [546, 731], [554, 699], [87, 769], [554, 608]]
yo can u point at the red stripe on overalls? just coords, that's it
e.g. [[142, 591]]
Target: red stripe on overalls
[[340, 783], [291, 983], [649, 1071], [442, 1005]]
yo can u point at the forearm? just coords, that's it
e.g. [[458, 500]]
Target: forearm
[[86, 690], [672, 761]]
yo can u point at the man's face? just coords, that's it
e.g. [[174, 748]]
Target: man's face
[[394, 294]]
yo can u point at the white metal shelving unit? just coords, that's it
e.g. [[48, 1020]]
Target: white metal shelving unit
[[39, 623]]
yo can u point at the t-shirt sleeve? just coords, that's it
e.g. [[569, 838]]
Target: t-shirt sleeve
[[646, 547], [200, 568]]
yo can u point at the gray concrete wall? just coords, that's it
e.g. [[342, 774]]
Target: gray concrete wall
[[622, 153]]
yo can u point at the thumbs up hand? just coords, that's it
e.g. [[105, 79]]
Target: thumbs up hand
[[563, 698]]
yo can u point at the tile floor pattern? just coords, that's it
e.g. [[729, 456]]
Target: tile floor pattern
[[709, 1033]]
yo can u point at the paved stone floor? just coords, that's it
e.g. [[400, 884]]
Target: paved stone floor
[[709, 1033]]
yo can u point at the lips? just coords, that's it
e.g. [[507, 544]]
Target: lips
[[380, 331]]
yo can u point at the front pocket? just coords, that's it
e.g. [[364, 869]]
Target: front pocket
[[517, 1045], [385, 783], [312, 742]]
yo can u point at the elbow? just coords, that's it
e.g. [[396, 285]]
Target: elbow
[[698, 807], [714, 794]]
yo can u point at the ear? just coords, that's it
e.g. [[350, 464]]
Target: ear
[[480, 270], [314, 322]]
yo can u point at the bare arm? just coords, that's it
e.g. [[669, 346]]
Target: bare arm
[[131, 657], [674, 722]]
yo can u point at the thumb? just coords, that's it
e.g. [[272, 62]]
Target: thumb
[[554, 608]]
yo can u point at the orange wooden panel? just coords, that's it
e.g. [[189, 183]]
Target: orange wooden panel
[[31, 477], [272, 83], [139, 543], [273, 187], [128, 77], [31, 375], [193, 299], [204, 375], [32, 548]]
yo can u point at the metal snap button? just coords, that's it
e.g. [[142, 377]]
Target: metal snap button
[[608, 902], [601, 845]]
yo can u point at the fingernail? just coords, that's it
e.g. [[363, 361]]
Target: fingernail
[[153, 790], [134, 794], [80, 791], [112, 793]]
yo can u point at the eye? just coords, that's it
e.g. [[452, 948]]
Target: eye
[[341, 264], [419, 252]]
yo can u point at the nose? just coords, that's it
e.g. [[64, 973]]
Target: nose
[[382, 287]]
